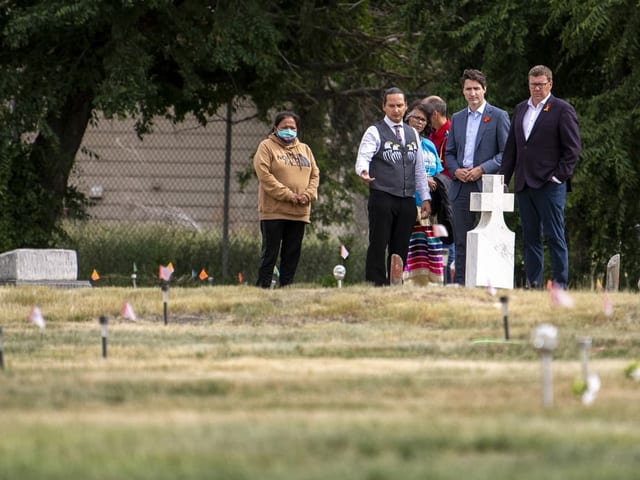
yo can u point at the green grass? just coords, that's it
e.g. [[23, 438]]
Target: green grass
[[352, 383]]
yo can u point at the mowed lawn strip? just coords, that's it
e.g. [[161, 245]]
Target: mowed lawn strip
[[356, 383]]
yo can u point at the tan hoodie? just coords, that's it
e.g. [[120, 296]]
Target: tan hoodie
[[284, 169]]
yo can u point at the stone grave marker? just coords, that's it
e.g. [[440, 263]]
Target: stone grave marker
[[50, 267], [613, 274], [491, 245]]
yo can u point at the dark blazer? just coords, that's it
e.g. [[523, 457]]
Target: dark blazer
[[553, 147], [490, 142], [441, 206]]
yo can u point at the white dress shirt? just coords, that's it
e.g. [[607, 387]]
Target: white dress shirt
[[531, 115], [473, 124]]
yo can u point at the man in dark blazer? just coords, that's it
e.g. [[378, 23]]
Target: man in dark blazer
[[476, 141], [542, 151]]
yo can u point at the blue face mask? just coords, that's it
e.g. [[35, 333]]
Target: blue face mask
[[287, 135]]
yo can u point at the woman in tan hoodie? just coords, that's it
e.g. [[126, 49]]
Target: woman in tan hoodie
[[288, 180]]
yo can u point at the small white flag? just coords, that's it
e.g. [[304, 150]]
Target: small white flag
[[344, 253], [36, 317], [127, 312], [440, 230], [491, 290], [593, 387]]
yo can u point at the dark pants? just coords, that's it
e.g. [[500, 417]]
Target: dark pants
[[282, 237], [464, 220], [542, 213], [391, 220]]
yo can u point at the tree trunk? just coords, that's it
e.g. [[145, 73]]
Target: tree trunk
[[54, 155]]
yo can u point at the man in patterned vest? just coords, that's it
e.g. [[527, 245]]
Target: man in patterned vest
[[390, 160]]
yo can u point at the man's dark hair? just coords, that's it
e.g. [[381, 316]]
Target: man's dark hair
[[391, 91], [476, 75]]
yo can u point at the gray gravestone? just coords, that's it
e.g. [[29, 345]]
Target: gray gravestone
[[613, 273], [51, 267], [491, 245]]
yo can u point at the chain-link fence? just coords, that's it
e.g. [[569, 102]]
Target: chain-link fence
[[178, 174], [183, 176]]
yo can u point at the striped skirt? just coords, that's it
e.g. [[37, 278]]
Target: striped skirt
[[424, 259]]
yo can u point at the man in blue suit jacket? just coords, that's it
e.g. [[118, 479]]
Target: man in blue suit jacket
[[541, 153], [476, 141]]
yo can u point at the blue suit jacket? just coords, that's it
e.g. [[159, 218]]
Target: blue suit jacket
[[490, 143], [552, 149]]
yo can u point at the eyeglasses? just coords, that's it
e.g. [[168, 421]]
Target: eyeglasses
[[538, 85], [419, 119]]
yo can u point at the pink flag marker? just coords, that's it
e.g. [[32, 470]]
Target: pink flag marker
[[127, 312], [344, 253], [560, 297], [36, 317], [607, 306], [164, 273]]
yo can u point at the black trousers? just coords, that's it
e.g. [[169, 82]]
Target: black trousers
[[284, 238], [391, 220]]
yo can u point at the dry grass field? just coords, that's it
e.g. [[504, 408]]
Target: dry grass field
[[313, 383]]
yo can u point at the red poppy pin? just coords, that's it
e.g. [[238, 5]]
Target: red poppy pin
[[486, 119], [546, 107]]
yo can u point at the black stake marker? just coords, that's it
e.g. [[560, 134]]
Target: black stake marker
[[165, 301], [1, 351], [504, 301], [103, 332]]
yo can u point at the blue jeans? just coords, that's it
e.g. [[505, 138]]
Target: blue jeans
[[451, 247], [542, 213]]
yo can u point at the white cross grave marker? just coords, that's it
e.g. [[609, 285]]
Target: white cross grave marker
[[491, 245]]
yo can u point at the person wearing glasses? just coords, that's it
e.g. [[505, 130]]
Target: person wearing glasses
[[438, 132], [440, 206], [439, 183], [541, 154], [476, 141], [417, 118]]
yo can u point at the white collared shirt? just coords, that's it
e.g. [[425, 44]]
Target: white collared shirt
[[531, 115]]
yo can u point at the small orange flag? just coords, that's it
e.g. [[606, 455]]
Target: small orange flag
[[203, 274], [240, 277], [94, 275]]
